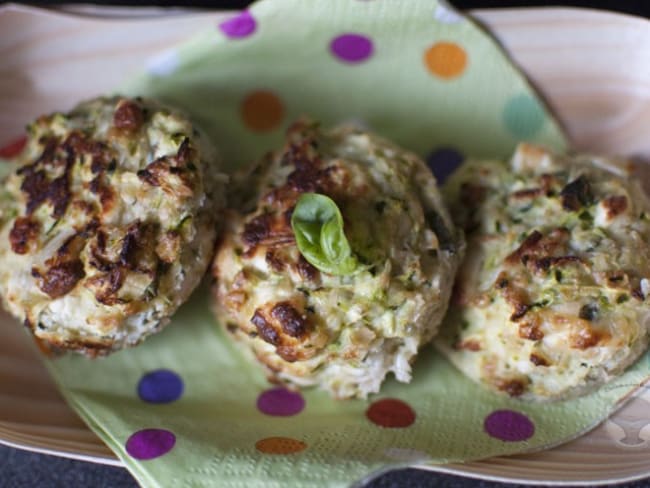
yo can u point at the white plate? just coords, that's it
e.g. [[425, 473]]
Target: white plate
[[592, 67]]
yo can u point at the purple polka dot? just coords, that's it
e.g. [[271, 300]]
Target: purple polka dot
[[240, 26], [351, 48], [150, 443], [509, 426], [443, 162], [160, 386], [280, 402]]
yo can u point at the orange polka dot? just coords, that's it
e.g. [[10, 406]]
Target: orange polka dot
[[280, 445], [391, 413], [446, 60], [262, 111]]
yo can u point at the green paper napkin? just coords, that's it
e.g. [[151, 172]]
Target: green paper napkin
[[185, 408]]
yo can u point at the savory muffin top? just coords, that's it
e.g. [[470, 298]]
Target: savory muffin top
[[342, 266], [552, 298], [109, 208]]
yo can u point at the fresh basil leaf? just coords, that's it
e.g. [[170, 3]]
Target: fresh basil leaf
[[318, 228]]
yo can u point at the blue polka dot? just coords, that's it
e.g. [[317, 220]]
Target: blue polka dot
[[160, 386], [523, 116], [443, 162]]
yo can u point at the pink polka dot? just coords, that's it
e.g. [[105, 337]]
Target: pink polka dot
[[240, 26], [14, 148], [150, 443], [280, 402], [351, 48], [509, 426]]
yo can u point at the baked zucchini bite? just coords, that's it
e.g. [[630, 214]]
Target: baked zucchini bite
[[342, 265], [107, 223], [552, 299]]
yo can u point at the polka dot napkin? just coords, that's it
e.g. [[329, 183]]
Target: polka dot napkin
[[185, 408], [415, 71]]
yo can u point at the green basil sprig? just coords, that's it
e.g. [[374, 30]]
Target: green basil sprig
[[318, 227]]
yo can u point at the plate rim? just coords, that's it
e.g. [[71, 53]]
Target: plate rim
[[109, 14]]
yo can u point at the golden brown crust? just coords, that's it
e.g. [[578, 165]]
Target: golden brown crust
[[173, 174], [23, 234], [576, 194], [615, 205], [60, 278], [469, 344], [285, 324], [513, 387], [128, 116], [539, 360]]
